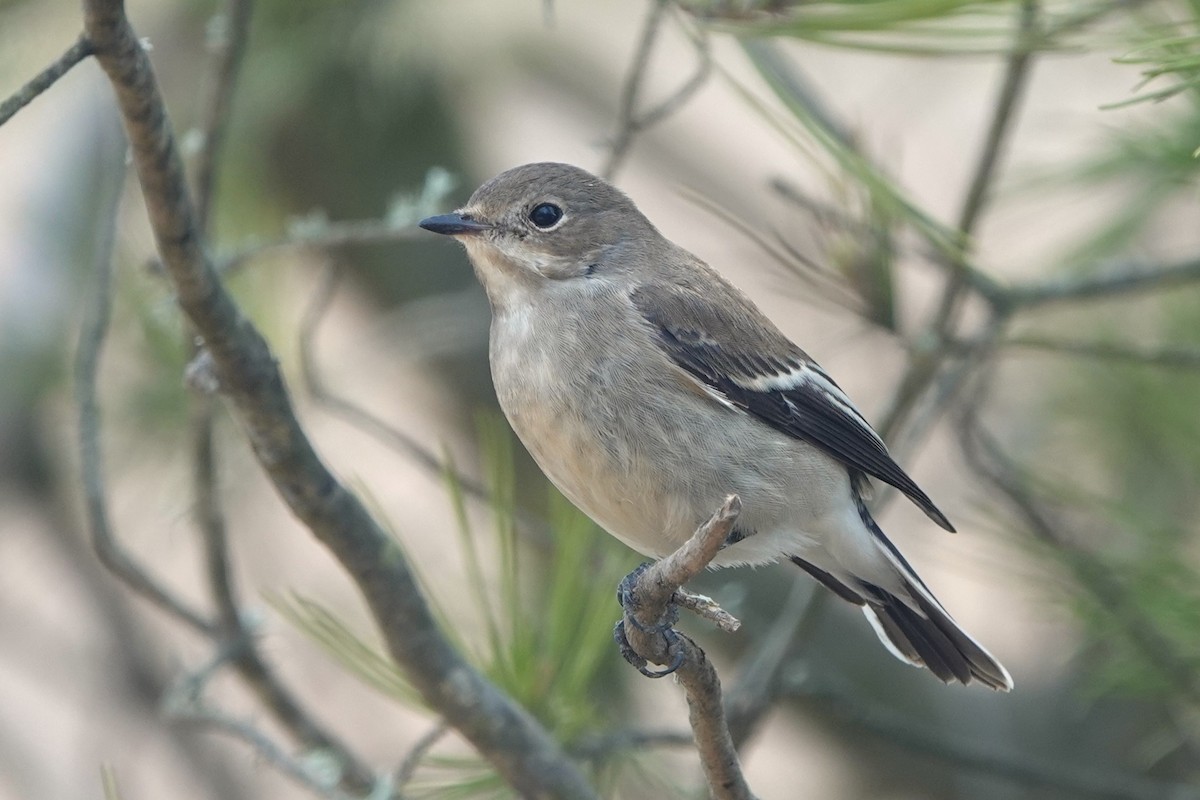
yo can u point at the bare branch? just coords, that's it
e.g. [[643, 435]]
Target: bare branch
[[1172, 357], [517, 746], [46, 78], [1121, 281], [311, 772], [651, 593]]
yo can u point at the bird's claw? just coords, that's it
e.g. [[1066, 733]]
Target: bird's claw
[[664, 626], [631, 655]]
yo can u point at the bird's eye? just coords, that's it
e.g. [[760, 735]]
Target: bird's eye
[[545, 215]]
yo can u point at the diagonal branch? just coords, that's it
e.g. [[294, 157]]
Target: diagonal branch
[[517, 746], [46, 78]]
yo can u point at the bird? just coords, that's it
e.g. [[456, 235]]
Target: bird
[[648, 388]]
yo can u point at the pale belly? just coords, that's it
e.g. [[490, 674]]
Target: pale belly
[[624, 452]]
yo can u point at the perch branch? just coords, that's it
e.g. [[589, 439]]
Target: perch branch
[[651, 594], [516, 745]]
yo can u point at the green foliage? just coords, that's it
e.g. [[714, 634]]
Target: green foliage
[[838, 151], [547, 632], [1166, 49], [909, 27], [550, 635], [1142, 429]]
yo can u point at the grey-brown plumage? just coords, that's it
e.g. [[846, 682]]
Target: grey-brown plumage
[[648, 389]]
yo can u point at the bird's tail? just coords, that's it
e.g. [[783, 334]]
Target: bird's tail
[[927, 636], [916, 628]]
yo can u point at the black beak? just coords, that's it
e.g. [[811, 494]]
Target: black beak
[[453, 224]]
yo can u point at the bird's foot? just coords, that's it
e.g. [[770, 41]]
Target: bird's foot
[[629, 654], [663, 626], [630, 603]]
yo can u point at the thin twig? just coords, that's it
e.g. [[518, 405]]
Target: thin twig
[[46, 78], [651, 594], [91, 459], [627, 105], [305, 772], [1171, 357], [520, 749], [207, 511], [328, 235], [1119, 282], [600, 747], [705, 607], [408, 767], [629, 122], [1016, 76], [319, 304], [234, 633], [762, 678], [235, 30]]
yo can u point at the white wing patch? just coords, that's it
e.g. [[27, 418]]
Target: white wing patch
[[807, 375]]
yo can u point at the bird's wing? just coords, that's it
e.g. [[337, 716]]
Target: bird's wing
[[724, 342]]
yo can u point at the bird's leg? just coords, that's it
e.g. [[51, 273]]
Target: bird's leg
[[627, 597]]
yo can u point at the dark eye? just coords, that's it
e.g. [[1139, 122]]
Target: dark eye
[[545, 215]]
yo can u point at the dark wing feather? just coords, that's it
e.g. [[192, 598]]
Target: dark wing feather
[[736, 352]]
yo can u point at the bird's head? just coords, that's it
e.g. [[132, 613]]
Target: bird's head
[[543, 222]]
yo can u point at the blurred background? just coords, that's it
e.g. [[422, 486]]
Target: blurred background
[[980, 217]]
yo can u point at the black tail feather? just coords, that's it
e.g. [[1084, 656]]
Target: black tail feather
[[924, 635]]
